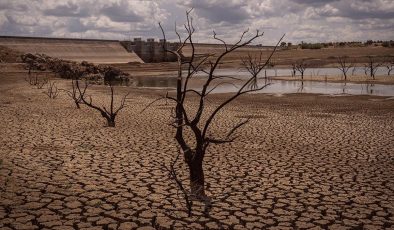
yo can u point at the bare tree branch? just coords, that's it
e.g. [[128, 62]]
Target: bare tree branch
[[109, 114], [344, 65]]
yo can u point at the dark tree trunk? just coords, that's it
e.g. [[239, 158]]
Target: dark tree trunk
[[77, 104], [111, 122], [110, 119], [197, 180]]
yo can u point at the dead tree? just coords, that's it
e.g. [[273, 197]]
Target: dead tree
[[344, 65], [390, 67], [52, 90], [36, 81], [294, 70], [31, 80], [389, 63], [74, 93], [301, 66], [198, 120], [255, 64], [109, 114], [372, 66]]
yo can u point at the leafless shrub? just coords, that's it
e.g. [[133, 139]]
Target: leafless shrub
[[344, 65], [300, 66], [74, 93], [109, 114], [255, 64], [52, 90], [389, 64], [35, 80], [372, 66]]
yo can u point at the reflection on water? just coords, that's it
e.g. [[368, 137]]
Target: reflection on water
[[159, 82], [285, 87], [117, 83], [146, 81], [276, 86], [381, 71]]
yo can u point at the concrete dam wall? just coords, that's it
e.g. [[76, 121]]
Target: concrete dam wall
[[91, 50]]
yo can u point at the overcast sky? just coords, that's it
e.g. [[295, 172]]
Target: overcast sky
[[300, 20]]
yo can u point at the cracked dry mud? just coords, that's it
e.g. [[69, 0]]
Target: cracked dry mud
[[303, 161]]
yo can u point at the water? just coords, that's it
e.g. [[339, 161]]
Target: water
[[286, 87], [155, 82], [147, 82], [381, 71], [280, 86]]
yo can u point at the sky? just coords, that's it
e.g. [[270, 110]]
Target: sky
[[299, 20]]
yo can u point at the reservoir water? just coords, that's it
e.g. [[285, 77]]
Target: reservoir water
[[282, 86]]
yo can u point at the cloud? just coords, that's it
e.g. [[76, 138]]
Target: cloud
[[301, 20], [314, 2], [121, 12], [218, 11], [14, 5], [367, 9], [67, 10]]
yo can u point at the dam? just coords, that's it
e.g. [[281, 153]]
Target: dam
[[91, 50]]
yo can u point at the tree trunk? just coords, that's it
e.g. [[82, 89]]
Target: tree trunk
[[196, 178], [111, 122], [372, 73]]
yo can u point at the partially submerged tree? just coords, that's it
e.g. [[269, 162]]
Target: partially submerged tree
[[293, 70], [372, 66], [389, 63], [198, 120], [110, 113], [254, 64], [300, 66], [344, 65]]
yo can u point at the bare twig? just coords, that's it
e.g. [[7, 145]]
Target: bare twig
[[74, 93], [109, 114], [344, 65], [52, 90]]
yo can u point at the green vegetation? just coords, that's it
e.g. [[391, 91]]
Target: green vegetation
[[311, 45]]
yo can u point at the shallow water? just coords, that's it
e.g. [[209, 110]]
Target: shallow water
[[149, 82], [156, 82], [381, 71], [278, 86], [286, 87]]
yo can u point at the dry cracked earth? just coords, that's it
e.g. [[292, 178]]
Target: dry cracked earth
[[303, 162]]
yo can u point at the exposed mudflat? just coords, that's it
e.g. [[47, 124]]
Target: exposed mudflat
[[303, 161]]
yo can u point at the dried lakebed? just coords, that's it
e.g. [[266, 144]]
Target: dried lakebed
[[303, 161]]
